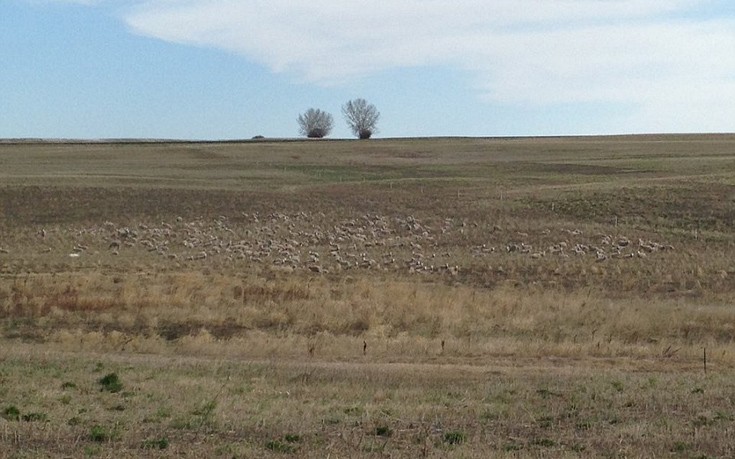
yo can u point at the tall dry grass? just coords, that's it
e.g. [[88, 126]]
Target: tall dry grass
[[400, 318]]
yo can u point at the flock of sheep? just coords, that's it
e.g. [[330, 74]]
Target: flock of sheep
[[305, 241]]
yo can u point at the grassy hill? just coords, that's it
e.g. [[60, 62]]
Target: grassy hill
[[404, 297]]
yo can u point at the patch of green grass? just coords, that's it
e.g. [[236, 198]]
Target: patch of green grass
[[204, 415], [331, 421], [383, 431], [163, 412], [182, 424], [583, 425], [35, 417], [454, 437], [92, 451], [278, 446], [545, 422], [100, 434], [544, 442], [155, 443], [489, 415], [206, 410], [546, 393], [702, 420], [512, 447], [11, 413], [354, 411], [292, 438], [111, 383]]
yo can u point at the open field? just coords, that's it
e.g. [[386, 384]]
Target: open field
[[547, 297]]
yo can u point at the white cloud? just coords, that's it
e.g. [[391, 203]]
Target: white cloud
[[656, 54]]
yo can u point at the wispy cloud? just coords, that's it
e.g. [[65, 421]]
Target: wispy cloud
[[666, 57]]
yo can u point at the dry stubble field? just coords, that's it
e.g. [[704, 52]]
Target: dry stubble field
[[392, 298]]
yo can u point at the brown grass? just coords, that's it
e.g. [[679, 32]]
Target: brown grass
[[564, 290], [222, 408]]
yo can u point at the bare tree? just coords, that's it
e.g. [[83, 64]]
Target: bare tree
[[362, 117], [315, 123]]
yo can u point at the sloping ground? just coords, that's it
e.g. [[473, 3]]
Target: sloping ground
[[403, 298]]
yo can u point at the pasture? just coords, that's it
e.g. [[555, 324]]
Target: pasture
[[519, 297]]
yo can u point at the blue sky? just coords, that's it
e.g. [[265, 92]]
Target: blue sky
[[228, 69]]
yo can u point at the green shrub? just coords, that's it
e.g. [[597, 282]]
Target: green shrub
[[111, 383]]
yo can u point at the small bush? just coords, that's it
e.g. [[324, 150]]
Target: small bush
[[111, 383]]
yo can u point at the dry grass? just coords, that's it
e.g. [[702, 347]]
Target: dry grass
[[440, 297], [330, 317], [170, 406]]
